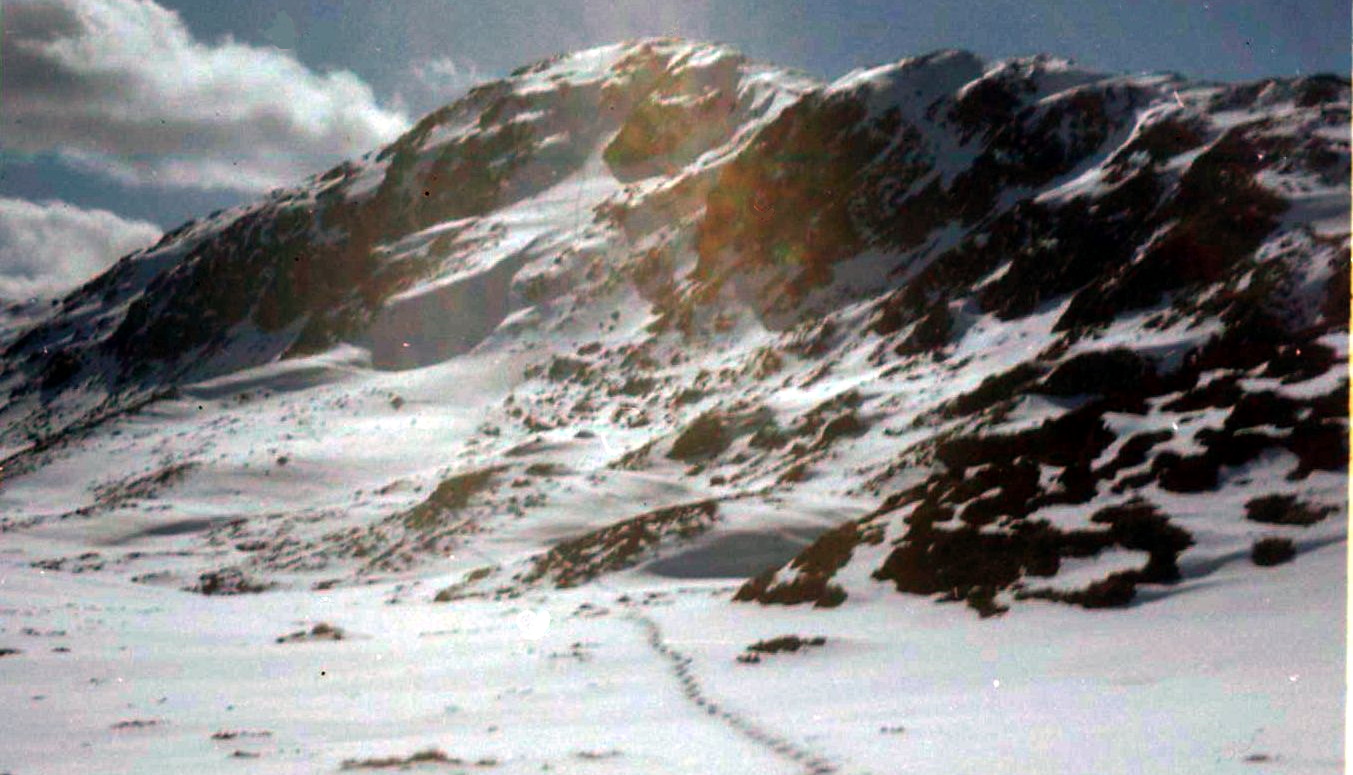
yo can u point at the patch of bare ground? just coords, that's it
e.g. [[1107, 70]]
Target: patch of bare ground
[[228, 581], [139, 723], [782, 644], [430, 756], [453, 494], [321, 631]]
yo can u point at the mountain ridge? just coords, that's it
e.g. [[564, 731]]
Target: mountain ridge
[[1015, 316]]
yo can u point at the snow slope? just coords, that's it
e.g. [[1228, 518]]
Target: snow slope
[[1024, 387]]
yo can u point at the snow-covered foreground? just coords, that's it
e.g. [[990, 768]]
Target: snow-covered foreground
[[640, 675]]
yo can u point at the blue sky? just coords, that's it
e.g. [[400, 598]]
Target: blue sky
[[1225, 40], [286, 87]]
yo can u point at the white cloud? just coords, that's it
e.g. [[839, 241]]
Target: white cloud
[[123, 88], [438, 81], [50, 247], [445, 75]]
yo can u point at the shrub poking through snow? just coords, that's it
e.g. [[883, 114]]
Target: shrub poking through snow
[[321, 631], [783, 644], [1140, 526], [1273, 551], [228, 581], [234, 734], [786, 644], [1284, 510], [139, 723], [428, 756]]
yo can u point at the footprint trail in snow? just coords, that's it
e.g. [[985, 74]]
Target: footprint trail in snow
[[691, 688]]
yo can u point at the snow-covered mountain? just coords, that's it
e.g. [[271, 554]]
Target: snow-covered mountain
[[656, 332]]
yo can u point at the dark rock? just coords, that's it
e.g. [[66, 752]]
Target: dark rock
[[1273, 551], [1103, 372], [1284, 510], [228, 581], [1139, 525], [1179, 473], [704, 438]]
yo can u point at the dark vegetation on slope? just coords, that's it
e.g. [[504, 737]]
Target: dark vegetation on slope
[[1284, 510], [971, 530], [811, 571], [452, 494], [938, 166], [620, 545], [1274, 550]]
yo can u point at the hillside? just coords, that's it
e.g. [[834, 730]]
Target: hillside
[[656, 335]]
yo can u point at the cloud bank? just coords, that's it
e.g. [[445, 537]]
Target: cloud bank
[[122, 88], [50, 247], [433, 83]]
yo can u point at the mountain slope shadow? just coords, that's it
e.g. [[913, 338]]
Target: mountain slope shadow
[[444, 321]]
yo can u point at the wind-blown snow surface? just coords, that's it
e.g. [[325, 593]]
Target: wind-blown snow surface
[[1238, 666], [646, 354]]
